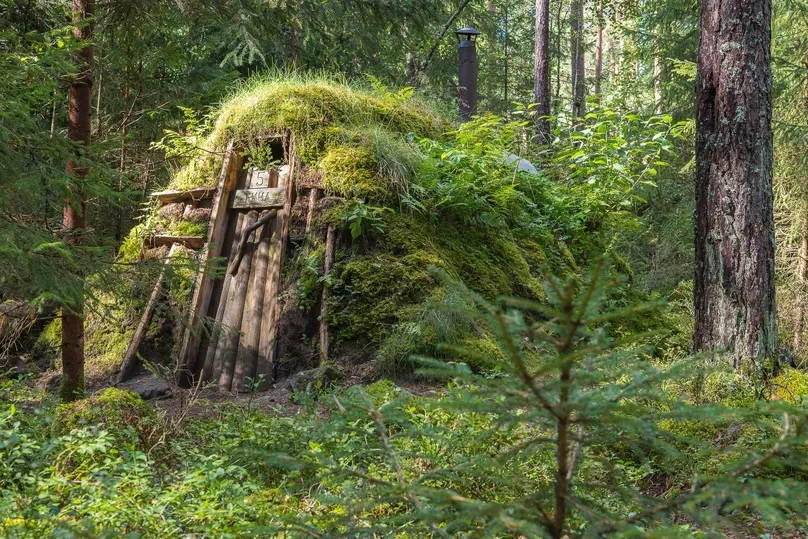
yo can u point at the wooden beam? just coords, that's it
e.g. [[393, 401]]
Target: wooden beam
[[191, 242], [204, 281], [247, 356], [314, 195], [199, 193], [234, 314], [328, 262], [271, 309], [210, 369]]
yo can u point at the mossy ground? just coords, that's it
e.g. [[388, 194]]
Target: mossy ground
[[120, 412]]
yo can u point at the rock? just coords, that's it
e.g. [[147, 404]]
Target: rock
[[148, 387], [51, 383], [311, 382], [13, 368], [154, 392], [521, 164]]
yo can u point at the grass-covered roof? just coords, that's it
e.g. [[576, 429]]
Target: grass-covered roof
[[335, 126]]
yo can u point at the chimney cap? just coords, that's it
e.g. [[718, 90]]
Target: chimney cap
[[468, 33]]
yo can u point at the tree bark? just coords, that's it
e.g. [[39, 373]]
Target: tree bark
[[541, 71], [657, 73], [74, 218], [802, 277], [734, 232], [325, 340], [599, 49], [802, 272], [577, 48]]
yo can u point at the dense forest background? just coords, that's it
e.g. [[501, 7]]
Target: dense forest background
[[496, 405]]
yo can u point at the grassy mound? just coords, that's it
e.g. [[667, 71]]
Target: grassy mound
[[406, 191]]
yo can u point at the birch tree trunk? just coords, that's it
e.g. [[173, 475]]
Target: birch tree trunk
[[74, 219], [734, 233]]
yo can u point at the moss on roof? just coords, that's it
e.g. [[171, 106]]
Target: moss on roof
[[335, 126]]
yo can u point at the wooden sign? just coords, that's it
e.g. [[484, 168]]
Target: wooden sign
[[270, 197], [261, 179]]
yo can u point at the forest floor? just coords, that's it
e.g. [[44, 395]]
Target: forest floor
[[178, 403]]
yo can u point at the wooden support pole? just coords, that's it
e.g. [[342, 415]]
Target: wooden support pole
[[216, 346], [270, 315], [329, 261], [234, 313], [314, 195], [130, 358], [247, 357], [204, 282]]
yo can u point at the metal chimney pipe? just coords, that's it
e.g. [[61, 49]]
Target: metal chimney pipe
[[467, 72]]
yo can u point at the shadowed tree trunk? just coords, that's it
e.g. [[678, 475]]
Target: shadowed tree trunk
[[577, 48], [599, 49], [74, 220], [541, 71], [657, 73], [734, 234]]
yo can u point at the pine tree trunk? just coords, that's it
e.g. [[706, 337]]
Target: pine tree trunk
[[599, 49], [734, 233], [541, 71], [80, 94], [577, 48]]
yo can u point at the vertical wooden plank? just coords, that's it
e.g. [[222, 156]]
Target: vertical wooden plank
[[328, 262], [251, 324], [204, 282], [314, 194], [240, 373], [215, 351], [234, 313], [270, 315]]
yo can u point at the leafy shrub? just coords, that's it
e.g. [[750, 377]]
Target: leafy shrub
[[120, 412]]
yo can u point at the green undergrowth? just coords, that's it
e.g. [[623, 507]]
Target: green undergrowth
[[111, 465], [113, 310]]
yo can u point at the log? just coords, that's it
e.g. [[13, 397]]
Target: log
[[314, 194], [247, 357], [327, 263], [209, 367], [130, 359], [204, 282], [200, 193], [216, 347], [266, 345], [191, 242], [234, 313]]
